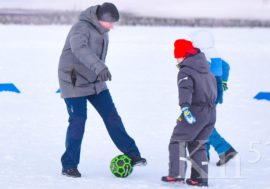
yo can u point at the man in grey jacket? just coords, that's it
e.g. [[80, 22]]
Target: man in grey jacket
[[82, 75]]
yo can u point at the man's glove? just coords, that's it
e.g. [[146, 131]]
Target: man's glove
[[104, 75], [219, 99], [188, 115], [225, 85]]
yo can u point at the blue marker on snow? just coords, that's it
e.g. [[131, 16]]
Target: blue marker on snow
[[263, 96], [4, 87]]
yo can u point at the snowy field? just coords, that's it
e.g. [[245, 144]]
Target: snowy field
[[33, 124], [245, 9]]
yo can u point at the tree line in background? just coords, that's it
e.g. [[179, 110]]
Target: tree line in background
[[42, 17]]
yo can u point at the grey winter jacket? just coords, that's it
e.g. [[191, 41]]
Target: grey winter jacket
[[196, 84], [83, 57]]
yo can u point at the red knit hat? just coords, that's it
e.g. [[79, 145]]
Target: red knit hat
[[183, 48]]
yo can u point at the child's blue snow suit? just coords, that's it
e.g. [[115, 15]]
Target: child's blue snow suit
[[220, 69]]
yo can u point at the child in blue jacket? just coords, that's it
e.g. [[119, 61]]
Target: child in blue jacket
[[204, 40]]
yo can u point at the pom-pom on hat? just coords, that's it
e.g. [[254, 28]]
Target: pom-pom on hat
[[183, 48], [108, 12]]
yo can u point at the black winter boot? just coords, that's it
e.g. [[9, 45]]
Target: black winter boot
[[172, 179], [227, 156], [72, 172], [138, 161], [196, 183]]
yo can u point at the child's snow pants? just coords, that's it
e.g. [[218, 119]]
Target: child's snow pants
[[194, 138]]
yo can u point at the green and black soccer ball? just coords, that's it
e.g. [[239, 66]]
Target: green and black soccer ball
[[121, 166]]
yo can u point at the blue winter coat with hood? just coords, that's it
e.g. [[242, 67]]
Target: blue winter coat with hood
[[204, 40]]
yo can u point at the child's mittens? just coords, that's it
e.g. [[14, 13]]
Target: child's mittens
[[188, 115], [225, 85]]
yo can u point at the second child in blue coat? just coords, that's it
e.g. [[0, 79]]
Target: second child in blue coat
[[204, 40]]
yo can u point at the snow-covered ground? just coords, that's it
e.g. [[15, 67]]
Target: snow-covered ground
[[33, 124], [247, 9]]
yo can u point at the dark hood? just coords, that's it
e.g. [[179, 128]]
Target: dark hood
[[197, 62], [89, 15]]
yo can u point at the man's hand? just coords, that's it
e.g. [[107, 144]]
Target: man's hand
[[105, 75]]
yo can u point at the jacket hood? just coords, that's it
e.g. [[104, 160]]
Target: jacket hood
[[197, 62], [202, 39], [89, 15]]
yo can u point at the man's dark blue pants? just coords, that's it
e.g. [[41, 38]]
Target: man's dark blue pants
[[77, 110]]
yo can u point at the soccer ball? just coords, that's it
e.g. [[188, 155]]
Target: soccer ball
[[121, 166]]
